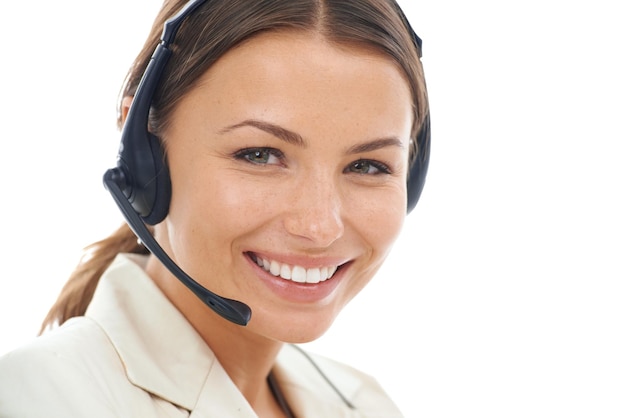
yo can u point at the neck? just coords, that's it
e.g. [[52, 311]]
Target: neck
[[247, 358]]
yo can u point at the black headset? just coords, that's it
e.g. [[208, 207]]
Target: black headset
[[140, 183]]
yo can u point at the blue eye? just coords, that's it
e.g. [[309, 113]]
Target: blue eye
[[368, 167]]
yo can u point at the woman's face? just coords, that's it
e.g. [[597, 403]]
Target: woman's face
[[288, 164]]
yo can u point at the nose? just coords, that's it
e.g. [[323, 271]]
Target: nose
[[315, 212]]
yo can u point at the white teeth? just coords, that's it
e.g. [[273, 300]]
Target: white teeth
[[299, 274], [274, 268], [285, 272], [296, 273], [313, 275]]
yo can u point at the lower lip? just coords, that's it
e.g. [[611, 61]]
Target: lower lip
[[298, 292]]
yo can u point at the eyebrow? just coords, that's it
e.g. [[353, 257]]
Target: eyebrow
[[375, 145], [272, 129], [297, 139]]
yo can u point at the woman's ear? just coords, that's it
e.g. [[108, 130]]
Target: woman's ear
[[126, 101]]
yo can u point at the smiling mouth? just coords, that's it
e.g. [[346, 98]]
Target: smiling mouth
[[296, 274]]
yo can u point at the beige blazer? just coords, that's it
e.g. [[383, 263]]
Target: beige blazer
[[134, 355]]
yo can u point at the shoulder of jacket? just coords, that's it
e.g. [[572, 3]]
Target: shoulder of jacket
[[64, 364], [69, 344]]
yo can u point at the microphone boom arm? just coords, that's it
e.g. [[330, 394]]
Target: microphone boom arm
[[232, 310]]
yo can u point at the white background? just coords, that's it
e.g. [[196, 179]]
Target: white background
[[505, 295]]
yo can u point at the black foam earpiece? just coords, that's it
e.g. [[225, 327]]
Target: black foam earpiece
[[419, 167], [146, 180]]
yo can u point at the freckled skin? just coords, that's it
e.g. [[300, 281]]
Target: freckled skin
[[306, 203]]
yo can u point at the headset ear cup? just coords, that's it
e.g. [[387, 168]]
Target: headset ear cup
[[147, 184], [157, 191], [419, 168]]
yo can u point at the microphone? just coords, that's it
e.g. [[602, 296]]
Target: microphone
[[230, 309]]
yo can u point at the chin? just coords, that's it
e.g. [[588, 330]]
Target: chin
[[305, 337], [293, 328]]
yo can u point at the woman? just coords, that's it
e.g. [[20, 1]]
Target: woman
[[281, 136]]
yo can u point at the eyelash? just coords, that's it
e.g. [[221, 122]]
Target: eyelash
[[248, 154], [381, 168]]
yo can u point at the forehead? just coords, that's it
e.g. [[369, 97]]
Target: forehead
[[308, 53], [286, 75]]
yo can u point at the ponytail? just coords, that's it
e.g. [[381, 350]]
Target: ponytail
[[78, 291]]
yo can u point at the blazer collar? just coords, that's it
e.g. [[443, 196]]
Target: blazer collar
[[160, 350], [303, 379]]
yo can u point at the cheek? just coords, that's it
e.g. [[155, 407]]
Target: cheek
[[377, 230], [383, 236], [378, 227], [381, 217], [211, 204]]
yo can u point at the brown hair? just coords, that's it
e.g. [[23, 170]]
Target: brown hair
[[212, 30]]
